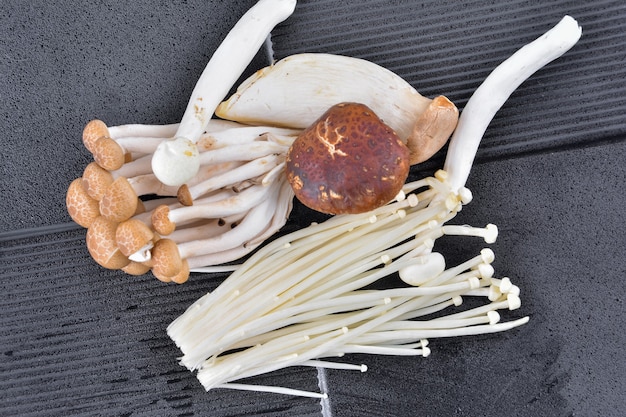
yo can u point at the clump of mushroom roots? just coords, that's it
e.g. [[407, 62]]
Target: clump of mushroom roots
[[307, 297]]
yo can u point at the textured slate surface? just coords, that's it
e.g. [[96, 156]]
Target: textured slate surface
[[79, 340]]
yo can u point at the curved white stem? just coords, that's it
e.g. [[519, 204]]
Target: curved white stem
[[226, 65], [496, 89]]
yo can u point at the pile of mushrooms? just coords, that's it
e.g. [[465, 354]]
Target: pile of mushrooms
[[308, 296], [340, 133]]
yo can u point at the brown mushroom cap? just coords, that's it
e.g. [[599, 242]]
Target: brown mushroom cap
[[348, 161], [108, 154], [166, 259], [96, 180], [161, 220], [132, 235], [102, 246], [93, 131], [136, 268], [81, 207], [119, 201], [432, 129]]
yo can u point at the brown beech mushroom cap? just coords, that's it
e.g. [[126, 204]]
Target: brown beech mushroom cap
[[102, 245], [136, 268], [348, 161], [93, 131], [96, 180], [119, 201], [108, 154], [132, 235], [167, 262], [81, 207]]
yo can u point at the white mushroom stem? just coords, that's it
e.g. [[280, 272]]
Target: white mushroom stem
[[224, 68], [249, 170], [496, 89], [300, 297], [143, 131], [253, 224], [230, 205]]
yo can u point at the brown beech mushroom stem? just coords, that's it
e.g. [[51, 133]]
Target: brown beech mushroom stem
[[250, 170], [168, 256], [165, 219], [348, 161]]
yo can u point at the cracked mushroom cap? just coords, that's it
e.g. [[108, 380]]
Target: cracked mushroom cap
[[166, 259], [96, 180], [80, 206], [119, 201], [133, 235], [102, 245], [108, 154], [348, 161], [93, 131]]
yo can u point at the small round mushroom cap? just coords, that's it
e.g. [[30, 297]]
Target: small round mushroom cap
[[166, 259], [96, 180], [348, 161], [102, 246], [119, 201], [161, 220], [93, 131], [183, 275], [81, 207], [132, 235], [108, 154], [136, 268]]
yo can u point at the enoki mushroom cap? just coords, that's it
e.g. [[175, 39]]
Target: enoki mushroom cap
[[102, 245], [93, 131], [80, 206], [132, 235], [348, 161], [119, 201]]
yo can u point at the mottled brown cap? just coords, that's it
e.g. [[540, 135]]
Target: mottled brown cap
[[102, 246], [348, 161], [96, 180], [80, 206], [119, 201], [132, 235], [93, 131], [167, 261]]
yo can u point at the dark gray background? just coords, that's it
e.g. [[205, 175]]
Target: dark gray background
[[80, 340]]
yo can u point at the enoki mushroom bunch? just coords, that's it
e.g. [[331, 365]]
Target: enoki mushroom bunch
[[308, 296], [304, 296]]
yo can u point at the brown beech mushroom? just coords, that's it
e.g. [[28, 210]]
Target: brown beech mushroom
[[348, 161], [102, 245], [80, 206]]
